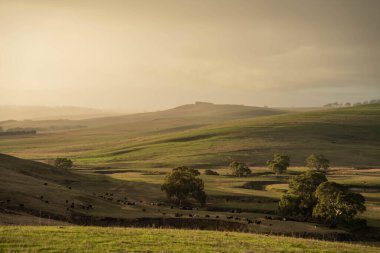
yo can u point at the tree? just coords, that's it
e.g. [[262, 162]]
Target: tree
[[211, 172], [336, 204], [304, 186], [182, 183], [63, 163], [279, 164], [317, 162], [240, 169]]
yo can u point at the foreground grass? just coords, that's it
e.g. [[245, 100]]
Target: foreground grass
[[95, 239]]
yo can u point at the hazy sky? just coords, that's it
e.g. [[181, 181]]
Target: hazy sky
[[147, 55]]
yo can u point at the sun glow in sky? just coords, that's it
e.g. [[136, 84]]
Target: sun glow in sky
[[148, 54]]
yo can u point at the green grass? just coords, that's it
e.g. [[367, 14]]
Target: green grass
[[95, 239]]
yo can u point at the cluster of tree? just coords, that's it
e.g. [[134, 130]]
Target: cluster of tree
[[311, 195], [17, 131], [337, 105], [280, 163], [183, 183], [348, 104], [63, 163]]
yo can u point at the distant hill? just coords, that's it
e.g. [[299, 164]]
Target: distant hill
[[10, 112], [186, 116]]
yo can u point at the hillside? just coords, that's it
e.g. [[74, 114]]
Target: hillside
[[184, 135], [348, 136], [95, 239], [32, 192]]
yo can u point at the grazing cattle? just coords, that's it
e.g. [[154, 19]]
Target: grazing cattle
[[41, 197], [21, 205], [67, 201], [45, 183], [178, 215], [284, 219], [257, 222], [217, 216], [207, 216], [268, 217], [237, 218], [190, 215], [229, 217], [72, 205], [270, 224], [8, 200], [171, 207], [47, 201], [249, 221], [163, 213], [69, 187]]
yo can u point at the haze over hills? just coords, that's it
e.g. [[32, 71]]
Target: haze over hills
[[189, 115], [12, 112]]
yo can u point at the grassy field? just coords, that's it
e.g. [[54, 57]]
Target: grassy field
[[95, 239]]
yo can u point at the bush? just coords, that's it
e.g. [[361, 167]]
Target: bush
[[211, 172]]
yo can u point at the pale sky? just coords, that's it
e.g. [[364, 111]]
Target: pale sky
[[148, 55]]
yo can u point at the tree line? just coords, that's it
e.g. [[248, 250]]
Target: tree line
[[310, 194]]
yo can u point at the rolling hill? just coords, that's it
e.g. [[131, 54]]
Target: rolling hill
[[206, 135], [348, 136]]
